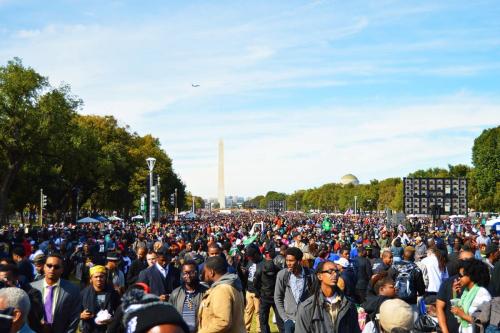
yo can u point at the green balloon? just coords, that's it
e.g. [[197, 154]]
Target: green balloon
[[327, 225]]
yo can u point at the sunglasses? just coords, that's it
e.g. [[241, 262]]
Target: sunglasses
[[53, 266], [330, 271]]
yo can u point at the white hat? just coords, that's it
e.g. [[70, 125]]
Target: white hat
[[396, 313], [342, 262]]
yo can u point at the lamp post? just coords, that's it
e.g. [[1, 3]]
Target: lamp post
[[355, 204], [151, 164]]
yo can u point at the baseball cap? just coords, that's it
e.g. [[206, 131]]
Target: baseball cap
[[342, 262]]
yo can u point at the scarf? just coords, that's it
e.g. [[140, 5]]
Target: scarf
[[466, 301]]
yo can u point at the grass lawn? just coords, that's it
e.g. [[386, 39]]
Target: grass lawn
[[274, 328]]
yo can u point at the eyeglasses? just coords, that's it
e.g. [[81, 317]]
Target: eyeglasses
[[330, 271], [53, 266], [189, 273]]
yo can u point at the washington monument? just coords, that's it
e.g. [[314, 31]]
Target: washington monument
[[221, 195]]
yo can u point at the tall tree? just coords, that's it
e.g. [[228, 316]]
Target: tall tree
[[486, 160], [33, 116]]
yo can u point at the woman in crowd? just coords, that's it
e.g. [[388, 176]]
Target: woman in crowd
[[434, 270], [474, 277]]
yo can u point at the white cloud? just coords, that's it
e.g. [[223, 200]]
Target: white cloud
[[27, 33]]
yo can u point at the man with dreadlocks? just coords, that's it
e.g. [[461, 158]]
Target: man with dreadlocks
[[327, 310]]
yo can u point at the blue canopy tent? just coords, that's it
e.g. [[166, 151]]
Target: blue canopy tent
[[101, 218], [88, 220]]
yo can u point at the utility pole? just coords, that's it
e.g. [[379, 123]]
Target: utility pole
[[158, 197], [151, 164], [176, 212]]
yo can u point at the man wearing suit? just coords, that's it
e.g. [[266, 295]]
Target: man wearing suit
[[162, 278], [61, 298]]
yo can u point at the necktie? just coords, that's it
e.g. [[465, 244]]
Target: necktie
[[48, 304]]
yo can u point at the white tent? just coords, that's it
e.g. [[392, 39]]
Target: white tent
[[87, 220], [493, 221], [115, 218], [137, 217]]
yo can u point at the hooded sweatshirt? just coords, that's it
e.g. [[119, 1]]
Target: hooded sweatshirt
[[221, 308]]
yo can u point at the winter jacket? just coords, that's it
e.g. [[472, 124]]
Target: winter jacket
[[265, 280], [221, 308], [178, 297], [364, 273], [312, 317], [283, 296]]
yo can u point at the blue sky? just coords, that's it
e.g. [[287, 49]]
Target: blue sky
[[302, 92]]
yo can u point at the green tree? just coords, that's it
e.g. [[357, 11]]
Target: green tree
[[33, 118], [486, 160]]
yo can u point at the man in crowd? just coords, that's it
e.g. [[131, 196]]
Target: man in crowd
[[151, 259], [482, 238], [9, 274], [137, 266], [18, 300], [364, 274], [61, 298], [187, 297], [139, 242], [264, 283], [252, 302], [38, 262], [491, 257], [162, 278], [409, 278], [327, 310], [420, 249], [293, 286], [23, 263], [222, 305], [114, 276], [348, 276], [99, 302]]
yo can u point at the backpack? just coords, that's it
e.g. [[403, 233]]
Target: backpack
[[404, 279]]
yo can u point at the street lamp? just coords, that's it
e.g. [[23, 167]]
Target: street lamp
[[151, 164], [355, 204]]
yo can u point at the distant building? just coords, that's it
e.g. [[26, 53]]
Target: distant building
[[234, 201], [349, 179]]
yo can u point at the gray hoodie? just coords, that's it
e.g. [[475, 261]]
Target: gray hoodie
[[231, 279]]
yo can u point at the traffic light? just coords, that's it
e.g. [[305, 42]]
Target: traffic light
[[172, 199], [143, 203], [153, 194], [44, 200]]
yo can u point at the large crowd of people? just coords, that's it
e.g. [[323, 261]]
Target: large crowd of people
[[243, 271]]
